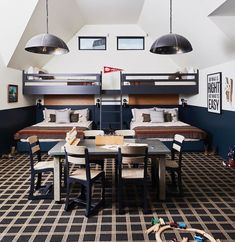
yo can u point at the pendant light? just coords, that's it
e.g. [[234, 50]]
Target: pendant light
[[171, 43], [46, 43]]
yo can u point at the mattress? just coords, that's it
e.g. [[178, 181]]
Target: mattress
[[52, 131], [167, 130]]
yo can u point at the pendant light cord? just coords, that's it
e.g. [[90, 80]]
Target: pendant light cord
[[170, 16], [47, 14]]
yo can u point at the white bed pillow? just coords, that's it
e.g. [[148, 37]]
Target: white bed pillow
[[173, 112], [63, 116], [157, 116], [83, 114], [137, 113], [47, 113]]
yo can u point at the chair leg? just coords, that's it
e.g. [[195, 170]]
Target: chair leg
[[88, 200], [180, 185], [103, 189], [31, 191], [39, 180], [68, 190], [120, 198], [173, 180], [145, 196]]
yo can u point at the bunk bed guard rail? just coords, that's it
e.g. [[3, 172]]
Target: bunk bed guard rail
[[52, 84], [159, 83]]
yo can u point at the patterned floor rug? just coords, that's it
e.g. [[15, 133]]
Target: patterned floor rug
[[208, 204]]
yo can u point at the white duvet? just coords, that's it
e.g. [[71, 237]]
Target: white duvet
[[86, 124], [150, 124]]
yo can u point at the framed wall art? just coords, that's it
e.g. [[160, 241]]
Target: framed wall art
[[12, 93], [214, 102], [91, 43]]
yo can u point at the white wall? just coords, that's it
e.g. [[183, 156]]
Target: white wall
[[228, 70], [11, 76], [82, 61], [13, 18]]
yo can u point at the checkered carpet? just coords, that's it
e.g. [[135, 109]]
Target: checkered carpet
[[208, 204]]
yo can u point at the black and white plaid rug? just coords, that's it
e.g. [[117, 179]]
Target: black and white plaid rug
[[208, 204]]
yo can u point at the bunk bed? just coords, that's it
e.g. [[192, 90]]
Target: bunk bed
[[159, 83], [49, 129], [163, 83]]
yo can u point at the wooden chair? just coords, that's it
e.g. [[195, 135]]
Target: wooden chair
[[132, 155], [174, 166], [38, 167], [91, 134], [86, 177], [127, 133]]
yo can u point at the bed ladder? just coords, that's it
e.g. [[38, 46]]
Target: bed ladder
[[111, 119]]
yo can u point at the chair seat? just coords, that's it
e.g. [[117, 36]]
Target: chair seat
[[132, 173], [44, 165], [81, 174], [171, 164]]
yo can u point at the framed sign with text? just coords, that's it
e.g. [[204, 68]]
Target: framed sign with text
[[214, 102]]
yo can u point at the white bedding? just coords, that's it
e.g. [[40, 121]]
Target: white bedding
[[164, 124], [149, 124], [86, 124]]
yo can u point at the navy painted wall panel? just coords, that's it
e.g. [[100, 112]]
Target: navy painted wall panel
[[220, 127], [11, 121]]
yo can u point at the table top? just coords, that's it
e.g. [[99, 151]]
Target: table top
[[155, 147]]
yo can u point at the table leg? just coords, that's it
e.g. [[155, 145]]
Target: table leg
[[57, 179], [162, 177]]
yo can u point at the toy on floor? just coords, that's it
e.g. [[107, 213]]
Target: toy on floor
[[159, 226]]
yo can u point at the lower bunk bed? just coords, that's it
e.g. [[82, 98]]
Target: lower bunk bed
[[48, 133], [195, 138]]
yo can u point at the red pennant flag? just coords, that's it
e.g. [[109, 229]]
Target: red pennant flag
[[108, 69]]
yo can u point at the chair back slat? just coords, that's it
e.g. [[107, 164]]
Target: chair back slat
[[32, 139], [35, 149], [179, 138], [77, 155], [176, 147], [92, 133], [133, 154], [126, 132]]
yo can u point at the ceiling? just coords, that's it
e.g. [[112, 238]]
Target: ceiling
[[208, 24]]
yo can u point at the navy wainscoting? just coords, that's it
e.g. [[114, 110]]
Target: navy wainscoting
[[11, 121], [220, 127]]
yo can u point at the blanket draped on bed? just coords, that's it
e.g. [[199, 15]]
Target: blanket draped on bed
[[189, 132], [47, 132]]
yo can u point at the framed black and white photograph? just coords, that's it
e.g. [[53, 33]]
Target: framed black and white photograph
[[214, 102], [12, 93], [130, 43], [92, 43]]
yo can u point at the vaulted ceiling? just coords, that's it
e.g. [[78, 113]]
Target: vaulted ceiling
[[208, 24]]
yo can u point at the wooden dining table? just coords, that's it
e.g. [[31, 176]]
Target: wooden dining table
[[157, 151]]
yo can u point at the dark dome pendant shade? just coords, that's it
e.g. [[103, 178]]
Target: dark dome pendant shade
[[46, 43], [170, 44]]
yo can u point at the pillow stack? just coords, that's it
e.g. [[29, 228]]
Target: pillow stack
[[155, 115], [65, 115]]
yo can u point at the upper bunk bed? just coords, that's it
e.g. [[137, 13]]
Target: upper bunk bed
[[67, 84], [159, 83]]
